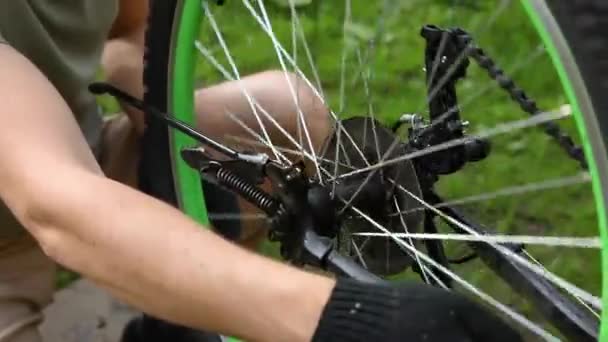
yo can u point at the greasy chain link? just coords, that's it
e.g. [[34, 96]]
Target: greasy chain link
[[526, 103]]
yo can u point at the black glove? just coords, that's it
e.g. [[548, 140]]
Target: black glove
[[408, 312]]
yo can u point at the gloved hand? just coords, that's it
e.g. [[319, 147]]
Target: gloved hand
[[409, 312]]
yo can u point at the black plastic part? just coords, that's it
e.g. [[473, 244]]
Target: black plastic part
[[477, 150], [446, 63], [324, 209], [320, 253]]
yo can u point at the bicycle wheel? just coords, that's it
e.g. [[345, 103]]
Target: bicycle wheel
[[486, 192]]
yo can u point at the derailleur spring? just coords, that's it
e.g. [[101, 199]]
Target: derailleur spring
[[247, 190], [271, 206]]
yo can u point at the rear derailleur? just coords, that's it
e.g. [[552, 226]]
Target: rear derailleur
[[303, 215]]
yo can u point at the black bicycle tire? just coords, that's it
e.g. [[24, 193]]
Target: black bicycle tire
[[155, 172], [583, 24]]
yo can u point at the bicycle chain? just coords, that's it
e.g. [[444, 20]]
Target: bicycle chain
[[527, 104]]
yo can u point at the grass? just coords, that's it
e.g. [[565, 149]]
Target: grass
[[397, 85]]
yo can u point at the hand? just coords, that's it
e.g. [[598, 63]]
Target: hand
[[409, 312], [430, 314]]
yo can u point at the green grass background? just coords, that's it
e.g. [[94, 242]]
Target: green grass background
[[397, 82]]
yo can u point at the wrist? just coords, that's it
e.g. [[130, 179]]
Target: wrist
[[289, 307]]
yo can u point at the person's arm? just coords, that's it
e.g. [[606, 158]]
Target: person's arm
[[131, 18], [142, 250], [122, 59]]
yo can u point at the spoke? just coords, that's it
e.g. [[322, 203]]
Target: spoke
[[260, 139], [411, 242], [284, 53], [504, 128], [425, 269], [536, 329], [286, 150], [453, 68], [346, 157], [452, 15], [364, 244], [447, 76], [370, 107], [504, 4], [561, 241], [283, 150], [252, 102], [209, 56], [388, 7], [593, 312], [292, 90], [514, 69], [573, 242], [347, 20], [337, 159], [294, 41], [582, 178], [228, 55], [500, 129], [491, 85], [571, 288], [205, 52], [214, 62], [438, 57], [285, 133], [359, 255], [464, 54], [302, 36], [302, 75]]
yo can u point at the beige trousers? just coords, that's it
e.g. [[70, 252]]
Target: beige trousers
[[27, 280]]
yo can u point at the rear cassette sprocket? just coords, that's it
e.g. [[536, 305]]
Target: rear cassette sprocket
[[364, 142]]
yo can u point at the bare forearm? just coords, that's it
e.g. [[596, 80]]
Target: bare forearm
[[143, 250], [155, 258]]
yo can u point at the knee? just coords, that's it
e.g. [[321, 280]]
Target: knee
[[307, 97], [298, 94]]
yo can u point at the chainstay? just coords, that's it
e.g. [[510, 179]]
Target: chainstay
[[518, 95]]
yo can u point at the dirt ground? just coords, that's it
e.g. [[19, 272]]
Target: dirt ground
[[83, 312]]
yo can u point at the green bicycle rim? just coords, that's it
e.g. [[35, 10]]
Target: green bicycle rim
[[533, 9], [181, 103]]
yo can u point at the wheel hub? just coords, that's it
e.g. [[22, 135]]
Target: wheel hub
[[380, 194]]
